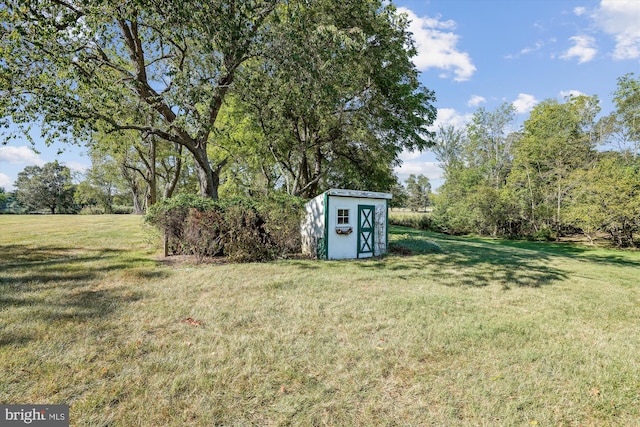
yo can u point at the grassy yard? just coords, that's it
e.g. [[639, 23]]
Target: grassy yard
[[484, 333]]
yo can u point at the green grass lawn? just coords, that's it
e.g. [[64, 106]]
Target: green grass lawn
[[486, 332]]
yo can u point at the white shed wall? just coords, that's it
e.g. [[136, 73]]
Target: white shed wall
[[323, 240], [346, 246], [341, 245], [313, 226]]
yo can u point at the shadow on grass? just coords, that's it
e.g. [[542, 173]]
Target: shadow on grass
[[456, 261], [58, 284], [556, 250]]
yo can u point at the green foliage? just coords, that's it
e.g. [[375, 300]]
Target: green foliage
[[158, 68], [150, 81], [8, 202], [503, 182], [557, 139], [476, 164], [606, 198], [47, 187], [624, 122], [400, 196], [337, 110], [241, 229], [418, 192]]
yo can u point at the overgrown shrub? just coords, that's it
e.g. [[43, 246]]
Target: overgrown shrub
[[544, 234], [241, 229]]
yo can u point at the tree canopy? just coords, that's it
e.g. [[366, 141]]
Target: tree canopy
[[348, 93], [559, 174], [47, 187]]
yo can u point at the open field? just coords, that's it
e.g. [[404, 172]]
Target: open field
[[484, 333]]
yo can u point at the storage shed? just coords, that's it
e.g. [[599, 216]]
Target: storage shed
[[342, 224]]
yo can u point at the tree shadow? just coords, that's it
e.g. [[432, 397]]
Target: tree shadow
[[614, 257], [474, 262], [63, 284]]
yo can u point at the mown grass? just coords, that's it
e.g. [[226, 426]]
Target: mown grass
[[485, 332]]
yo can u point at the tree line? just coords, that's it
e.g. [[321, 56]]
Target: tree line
[[563, 172]]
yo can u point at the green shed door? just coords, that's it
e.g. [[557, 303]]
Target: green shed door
[[366, 223]]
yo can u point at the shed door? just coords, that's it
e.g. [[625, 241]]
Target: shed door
[[365, 230]]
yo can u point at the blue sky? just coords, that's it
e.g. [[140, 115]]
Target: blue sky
[[479, 53]]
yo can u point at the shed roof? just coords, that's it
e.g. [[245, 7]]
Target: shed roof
[[358, 193]]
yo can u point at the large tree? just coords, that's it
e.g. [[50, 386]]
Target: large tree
[[606, 198], [558, 138], [621, 128], [476, 162], [338, 108], [156, 67], [47, 187], [491, 135], [330, 82], [418, 192]]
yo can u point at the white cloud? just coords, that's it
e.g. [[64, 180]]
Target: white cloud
[[76, 166], [475, 100], [20, 155], [5, 182], [567, 93], [583, 49], [409, 155], [437, 47], [524, 103], [449, 116], [579, 11], [431, 170], [621, 19], [537, 46]]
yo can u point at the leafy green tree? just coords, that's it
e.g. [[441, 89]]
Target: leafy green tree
[[9, 203], [450, 148], [3, 196], [47, 187], [157, 67], [150, 167], [418, 192], [476, 162], [491, 135], [338, 109], [400, 197], [102, 182], [558, 138], [606, 198], [621, 128]]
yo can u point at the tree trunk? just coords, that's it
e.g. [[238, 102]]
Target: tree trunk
[[171, 186], [208, 179], [533, 206], [137, 208], [558, 211], [153, 187]]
